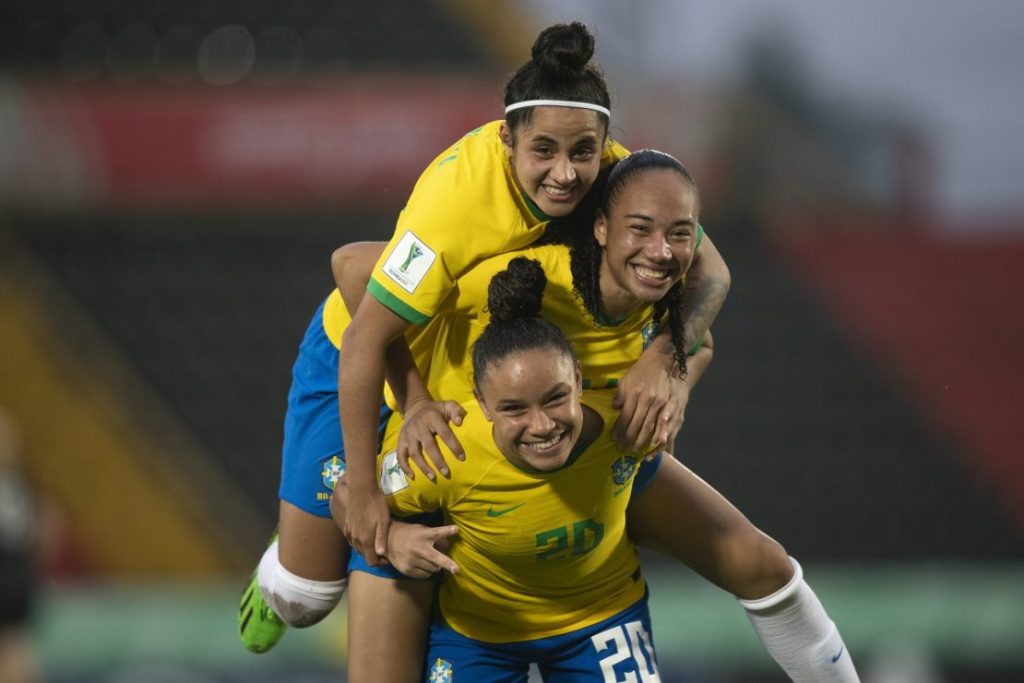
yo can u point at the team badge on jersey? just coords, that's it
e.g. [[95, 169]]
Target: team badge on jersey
[[392, 478], [409, 262], [622, 469], [332, 471], [649, 332], [441, 672]]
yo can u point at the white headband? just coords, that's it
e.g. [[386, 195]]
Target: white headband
[[558, 103]]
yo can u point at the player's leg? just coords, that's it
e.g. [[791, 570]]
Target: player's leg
[[683, 517], [301, 574], [388, 622]]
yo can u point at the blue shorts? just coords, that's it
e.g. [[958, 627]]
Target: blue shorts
[[619, 648], [646, 473], [313, 455]]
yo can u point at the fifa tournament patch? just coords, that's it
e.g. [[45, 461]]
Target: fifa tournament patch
[[441, 671], [332, 471], [392, 478], [409, 262]]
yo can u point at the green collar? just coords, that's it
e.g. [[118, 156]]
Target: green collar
[[534, 209]]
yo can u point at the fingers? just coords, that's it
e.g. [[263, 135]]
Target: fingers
[[648, 429], [638, 422], [402, 454], [454, 412], [440, 538], [671, 424], [380, 543], [621, 430], [418, 439], [364, 549], [419, 551]]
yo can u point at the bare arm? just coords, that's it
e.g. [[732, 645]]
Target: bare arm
[[651, 411], [351, 266], [425, 419], [361, 369], [413, 549], [707, 284]]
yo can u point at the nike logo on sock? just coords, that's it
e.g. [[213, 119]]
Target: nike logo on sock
[[836, 656]]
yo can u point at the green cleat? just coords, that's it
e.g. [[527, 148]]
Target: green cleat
[[258, 626]]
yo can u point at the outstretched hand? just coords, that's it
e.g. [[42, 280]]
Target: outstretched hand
[[419, 551], [424, 423]]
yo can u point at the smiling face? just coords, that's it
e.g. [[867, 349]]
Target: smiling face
[[556, 156], [649, 235], [532, 398]]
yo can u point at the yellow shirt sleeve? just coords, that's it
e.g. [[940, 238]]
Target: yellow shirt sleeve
[[465, 207]]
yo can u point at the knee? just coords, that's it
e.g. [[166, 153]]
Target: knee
[[298, 601], [299, 611], [757, 566]]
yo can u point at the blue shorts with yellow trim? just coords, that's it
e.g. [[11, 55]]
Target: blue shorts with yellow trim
[[619, 648], [313, 455]]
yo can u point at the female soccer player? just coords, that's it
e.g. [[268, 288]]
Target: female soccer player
[[493, 191], [605, 293], [549, 574]]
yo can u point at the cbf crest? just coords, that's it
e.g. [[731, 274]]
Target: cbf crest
[[441, 672], [622, 469], [332, 471], [649, 332]]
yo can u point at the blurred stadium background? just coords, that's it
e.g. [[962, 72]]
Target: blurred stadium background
[[174, 177]]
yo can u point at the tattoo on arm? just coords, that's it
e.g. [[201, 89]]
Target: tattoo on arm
[[702, 299]]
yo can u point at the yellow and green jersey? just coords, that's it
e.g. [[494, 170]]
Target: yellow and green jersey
[[465, 207], [441, 350], [540, 553], [606, 348]]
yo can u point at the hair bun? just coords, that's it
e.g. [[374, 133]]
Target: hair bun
[[564, 49], [516, 292]]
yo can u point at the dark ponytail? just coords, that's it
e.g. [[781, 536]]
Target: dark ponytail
[[560, 69], [514, 302]]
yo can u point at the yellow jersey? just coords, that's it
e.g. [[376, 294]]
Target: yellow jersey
[[465, 207], [441, 350], [540, 553], [606, 348]]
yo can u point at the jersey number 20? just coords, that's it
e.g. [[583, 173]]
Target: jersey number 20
[[624, 643]]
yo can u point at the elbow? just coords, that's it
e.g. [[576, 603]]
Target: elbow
[[340, 260]]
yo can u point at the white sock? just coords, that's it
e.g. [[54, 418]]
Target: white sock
[[299, 602], [796, 631]]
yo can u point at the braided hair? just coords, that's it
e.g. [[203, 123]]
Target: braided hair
[[577, 231]]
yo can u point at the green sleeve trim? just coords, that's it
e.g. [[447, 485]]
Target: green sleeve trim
[[396, 305], [696, 347], [700, 236]]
